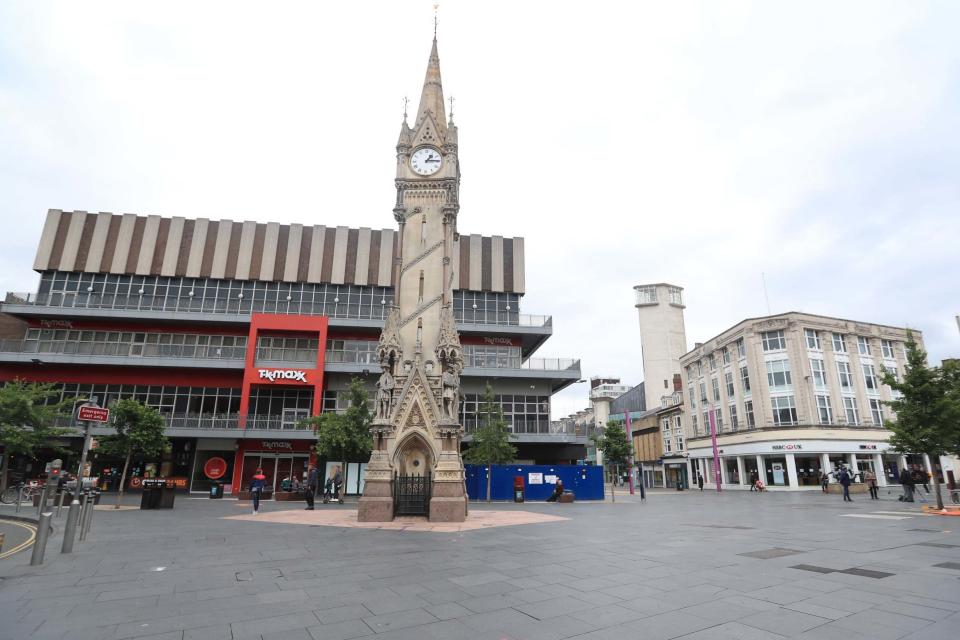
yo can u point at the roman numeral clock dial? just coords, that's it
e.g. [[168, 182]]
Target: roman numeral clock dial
[[425, 161]]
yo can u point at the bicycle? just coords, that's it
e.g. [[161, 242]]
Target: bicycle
[[26, 492]]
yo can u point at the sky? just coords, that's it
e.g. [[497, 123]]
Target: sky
[[711, 145]]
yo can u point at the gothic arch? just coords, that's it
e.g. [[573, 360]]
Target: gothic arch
[[414, 454]]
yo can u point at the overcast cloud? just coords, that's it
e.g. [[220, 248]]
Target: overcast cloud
[[700, 144]]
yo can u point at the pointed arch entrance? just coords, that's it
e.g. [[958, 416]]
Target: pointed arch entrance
[[413, 462]]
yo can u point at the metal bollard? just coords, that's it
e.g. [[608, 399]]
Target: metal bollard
[[91, 499], [82, 523], [70, 528], [43, 534], [63, 495], [44, 496], [19, 496]]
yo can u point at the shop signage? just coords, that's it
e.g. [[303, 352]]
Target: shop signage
[[871, 447], [56, 324], [504, 341], [215, 468], [93, 414], [276, 444], [177, 482], [787, 447], [273, 375]]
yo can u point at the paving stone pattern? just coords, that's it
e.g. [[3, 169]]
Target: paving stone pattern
[[765, 566]]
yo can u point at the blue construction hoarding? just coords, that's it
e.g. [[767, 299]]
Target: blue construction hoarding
[[585, 481]]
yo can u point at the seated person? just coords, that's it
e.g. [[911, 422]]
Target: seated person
[[557, 491]]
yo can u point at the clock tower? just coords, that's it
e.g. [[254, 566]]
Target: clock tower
[[415, 467]]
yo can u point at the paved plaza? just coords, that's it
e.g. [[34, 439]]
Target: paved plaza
[[681, 565]]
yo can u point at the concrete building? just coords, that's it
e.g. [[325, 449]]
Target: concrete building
[[663, 338], [237, 330], [794, 394]]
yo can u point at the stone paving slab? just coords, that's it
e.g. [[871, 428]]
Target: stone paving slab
[[348, 519], [684, 566]]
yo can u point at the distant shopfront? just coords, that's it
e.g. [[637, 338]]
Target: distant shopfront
[[796, 465]]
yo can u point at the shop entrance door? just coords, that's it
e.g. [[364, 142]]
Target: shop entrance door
[[253, 461]]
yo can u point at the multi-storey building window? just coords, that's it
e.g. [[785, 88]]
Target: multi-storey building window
[[745, 380], [863, 345], [525, 414], [824, 409], [813, 340], [675, 294], [355, 351], [778, 374], [486, 307], [784, 410], [693, 396], [774, 341], [726, 355], [838, 343], [291, 349], [846, 378], [667, 436], [728, 379], [136, 344], [492, 356], [741, 349], [703, 392], [718, 416], [678, 432], [716, 389], [713, 362], [734, 423], [693, 424], [876, 411], [748, 414], [164, 398], [896, 376], [870, 378], [699, 368], [851, 411], [886, 347], [646, 295], [706, 423], [819, 373]]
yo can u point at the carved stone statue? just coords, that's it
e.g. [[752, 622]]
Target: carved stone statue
[[385, 387], [451, 393]]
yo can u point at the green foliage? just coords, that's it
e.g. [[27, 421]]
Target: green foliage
[[27, 417], [928, 411], [140, 430], [614, 444], [345, 436], [491, 439]]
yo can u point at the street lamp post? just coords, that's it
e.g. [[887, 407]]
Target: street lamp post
[[69, 530]]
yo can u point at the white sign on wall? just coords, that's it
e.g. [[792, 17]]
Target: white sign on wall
[[534, 478], [283, 374], [550, 479]]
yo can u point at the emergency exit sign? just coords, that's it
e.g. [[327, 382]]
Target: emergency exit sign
[[93, 414]]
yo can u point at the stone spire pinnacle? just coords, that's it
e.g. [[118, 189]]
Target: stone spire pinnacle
[[431, 98]]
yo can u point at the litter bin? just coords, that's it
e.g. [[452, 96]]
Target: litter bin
[[518, 488], [156, 494], [216, 491]]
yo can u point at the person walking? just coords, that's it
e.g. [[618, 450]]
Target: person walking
[[907, 481], [845, 481], [257, 484], [754, 478], [824, 481], [871, 479], [700, 481], [310, 491]]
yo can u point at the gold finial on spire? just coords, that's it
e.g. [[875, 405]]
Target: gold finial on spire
[[436, 9]]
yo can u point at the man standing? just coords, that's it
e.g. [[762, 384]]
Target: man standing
[[845, 483], [907, 481], [311, 488], [700, 481]]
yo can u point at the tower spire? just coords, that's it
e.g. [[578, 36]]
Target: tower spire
[[431, 97]]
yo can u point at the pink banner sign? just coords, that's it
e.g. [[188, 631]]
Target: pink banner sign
[[717, 478]]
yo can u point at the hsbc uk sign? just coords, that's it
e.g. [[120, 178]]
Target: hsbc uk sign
[[274, 375]]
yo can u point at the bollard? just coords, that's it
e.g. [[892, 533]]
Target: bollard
[[70, 528], [63, 495], [88, 520], [44, 496], [82, 522], [43, 534], [19, 496]]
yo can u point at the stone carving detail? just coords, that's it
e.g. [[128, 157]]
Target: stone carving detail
[[451, 393], [450, 355], [385, 386], [389, 349]]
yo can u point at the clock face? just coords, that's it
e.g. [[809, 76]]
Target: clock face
[[425, 161]]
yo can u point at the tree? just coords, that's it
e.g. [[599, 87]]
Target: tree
[[928, 409], [616, 449], [345, 436], [140, 430], [28, 413], [491, 439]]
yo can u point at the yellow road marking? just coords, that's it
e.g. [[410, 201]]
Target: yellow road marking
[[23, 545]]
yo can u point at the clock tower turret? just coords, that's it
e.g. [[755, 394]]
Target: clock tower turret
[[417, 430]]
